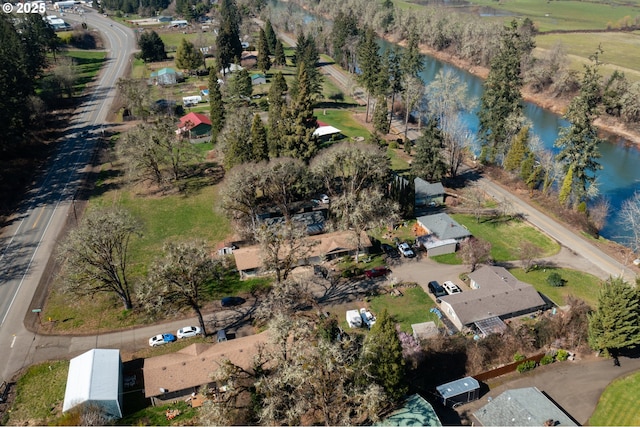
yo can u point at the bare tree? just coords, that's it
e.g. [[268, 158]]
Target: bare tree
[[283, 246], [240, 195], [630, 219], [287, 297], [96, 254], [474, 198], [475, 251], [285, 181], [179, 279], [136, 97], [598, 214], [528, 253]]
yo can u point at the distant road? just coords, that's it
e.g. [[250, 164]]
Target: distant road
[[29, 240]]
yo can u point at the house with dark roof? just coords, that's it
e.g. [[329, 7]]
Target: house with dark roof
[[174, 376], [428, 194], [314, 220], [416, 411], [522, 407], [324, 246], [195, 125], [495, 295]]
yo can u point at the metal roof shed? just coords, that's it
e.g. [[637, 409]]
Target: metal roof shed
[[95, 377], [459, 392]]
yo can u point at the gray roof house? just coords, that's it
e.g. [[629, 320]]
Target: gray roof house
[[415, 412], [495, 295], [428, 193], [522, 407], [443, 227]]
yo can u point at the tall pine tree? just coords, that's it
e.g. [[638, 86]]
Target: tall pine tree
[[259, 145], [428, 162], [216, 106], [228, 44], [370, 63]]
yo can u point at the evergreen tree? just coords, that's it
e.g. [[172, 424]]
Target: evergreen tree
[[264, 62], [188, 57], [370, 63], [615, 324], [500, 112], [279, 58], [382, 357], [579, 141], [151, 47], [566, 189], [298, 138], [395, 76], [344, 31], [216, 106], [240, 84], [517, 151], [228, 44], [428, 162], [271, 36], [380, 116], [410, 65], [236, 138], [260, 148], [276, 114], [307, 55], [37, 37]]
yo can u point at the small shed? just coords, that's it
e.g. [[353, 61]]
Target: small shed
[[95, 378], [258, 79], [459, 392], [164, 76], [164, 19]]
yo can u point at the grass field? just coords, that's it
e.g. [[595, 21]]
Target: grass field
[[567, 15], [506, 237], [579, 284], [88, 64], [618, 404], [620, 50], [343, 120], [40, 393], [412, 307]]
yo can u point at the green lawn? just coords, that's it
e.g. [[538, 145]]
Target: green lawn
[[39, 394], [343, 120], [579, 284], [506, 236], [412, 307], [88, 64], [618, 404]]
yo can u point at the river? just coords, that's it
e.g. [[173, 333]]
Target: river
[[617, 181]]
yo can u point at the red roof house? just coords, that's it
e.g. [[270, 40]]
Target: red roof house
[[196, 124]]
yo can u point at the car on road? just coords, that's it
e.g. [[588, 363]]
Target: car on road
[[390, 251], [406, 250], [451, 287], [188, 332], [161, 339], [324, 199], [231, 301], [376, 272]]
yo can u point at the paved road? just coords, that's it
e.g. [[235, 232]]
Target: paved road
[[30, 238]]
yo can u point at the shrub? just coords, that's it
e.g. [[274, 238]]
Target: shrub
[[393, 145], [518, 357], [546, 359], [554, 279], [526, 366], [562, 355]]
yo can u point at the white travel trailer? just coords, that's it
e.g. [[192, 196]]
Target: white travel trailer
[[353, 319], [188, 101]]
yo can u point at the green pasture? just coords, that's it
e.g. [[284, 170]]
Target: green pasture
[[506, 236], [343, 120], [87, 64], [621, 51], [568, 15], [618, 404], [576, 283]]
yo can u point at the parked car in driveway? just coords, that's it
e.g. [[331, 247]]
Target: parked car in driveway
[[376, 272], [232, 301], [437, 290], [406, 250], [161, 339], [451, 288], [390, 251], [188, 332]]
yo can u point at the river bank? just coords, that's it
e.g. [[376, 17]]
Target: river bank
[[609, 126]]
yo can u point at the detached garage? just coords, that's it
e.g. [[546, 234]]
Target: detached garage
[[95, 378]]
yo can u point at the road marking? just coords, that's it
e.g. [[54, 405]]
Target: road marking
[[35, 224], [13, 341]]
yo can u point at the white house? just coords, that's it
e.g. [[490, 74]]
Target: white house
[[95, 378]]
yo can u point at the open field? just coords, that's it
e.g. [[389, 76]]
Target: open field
[[506, 236], [618, 405], [88, 64], [412, 307], [579, 284]]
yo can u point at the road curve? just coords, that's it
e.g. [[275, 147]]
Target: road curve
[[29, 240]]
